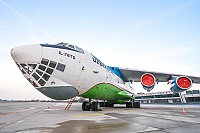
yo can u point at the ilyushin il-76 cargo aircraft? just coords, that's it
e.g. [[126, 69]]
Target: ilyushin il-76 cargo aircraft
[[63, 71]]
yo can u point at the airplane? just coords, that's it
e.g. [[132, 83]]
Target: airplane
[[63, 71]]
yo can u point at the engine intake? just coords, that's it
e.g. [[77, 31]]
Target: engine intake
[[148, 81], [181, 84]]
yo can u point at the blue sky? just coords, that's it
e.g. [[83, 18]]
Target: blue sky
[[153, 35]]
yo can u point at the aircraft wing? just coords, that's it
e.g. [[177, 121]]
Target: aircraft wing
[[160, 77]]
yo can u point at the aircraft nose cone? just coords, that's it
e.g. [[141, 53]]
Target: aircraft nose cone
[[27, 54]]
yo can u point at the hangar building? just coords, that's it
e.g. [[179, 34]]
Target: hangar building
[[190, 96]]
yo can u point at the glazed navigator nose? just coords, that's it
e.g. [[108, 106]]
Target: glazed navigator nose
[[27, 54]]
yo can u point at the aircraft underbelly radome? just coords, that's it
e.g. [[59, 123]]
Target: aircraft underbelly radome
[[65, 71]]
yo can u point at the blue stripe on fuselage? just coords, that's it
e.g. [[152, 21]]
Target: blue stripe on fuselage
[[116, 71]]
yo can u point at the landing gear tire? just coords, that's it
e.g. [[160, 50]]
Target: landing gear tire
[[136, 104], [102, 104], [108, 104], [96, 106], [93, 106], [129, 105], [86, 106]]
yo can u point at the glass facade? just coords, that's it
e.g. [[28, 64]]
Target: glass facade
[[190, 96]]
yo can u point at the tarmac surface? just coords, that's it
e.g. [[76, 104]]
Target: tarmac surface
[[43, 117]]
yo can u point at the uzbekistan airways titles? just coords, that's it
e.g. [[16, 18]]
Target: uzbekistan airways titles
[[98, 61]]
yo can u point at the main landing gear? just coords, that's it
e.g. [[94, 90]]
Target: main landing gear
[[132, 104], [94, 106]]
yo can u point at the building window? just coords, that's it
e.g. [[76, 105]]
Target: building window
[[60, 67]]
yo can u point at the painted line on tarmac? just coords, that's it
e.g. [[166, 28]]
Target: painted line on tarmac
[[19, 111]]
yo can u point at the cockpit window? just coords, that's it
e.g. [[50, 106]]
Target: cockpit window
[[61, 44], [70, 46], [67, 45], [79, 50]]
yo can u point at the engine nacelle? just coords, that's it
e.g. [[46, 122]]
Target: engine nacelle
[[181, 84], [148, 81]]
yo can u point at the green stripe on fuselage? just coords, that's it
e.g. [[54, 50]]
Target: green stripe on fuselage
[[107, 92]]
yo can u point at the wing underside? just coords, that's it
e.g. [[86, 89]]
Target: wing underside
[[160, 77]]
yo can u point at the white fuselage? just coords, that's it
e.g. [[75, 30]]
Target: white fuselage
[[80, 70]]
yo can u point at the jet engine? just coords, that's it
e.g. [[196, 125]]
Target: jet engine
[[181, 84], [148, 81]]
